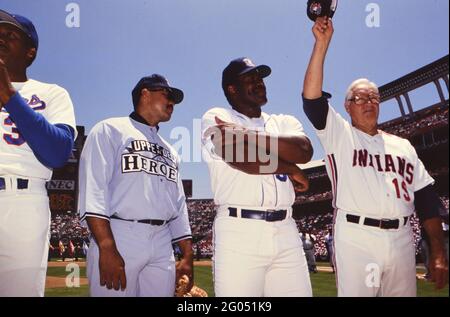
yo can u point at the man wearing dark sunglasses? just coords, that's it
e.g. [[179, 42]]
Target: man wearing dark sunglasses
[[132, 199], [378, 182]]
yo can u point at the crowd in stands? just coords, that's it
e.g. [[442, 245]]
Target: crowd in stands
[[313, 197], [65, 228], [444, 200], [318, 226], [68, 239], [201, 218], [409, 127]]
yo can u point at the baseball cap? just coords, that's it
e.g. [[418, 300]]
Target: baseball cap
[[22, 23], [321, 8], [240, 66], [153, 82]]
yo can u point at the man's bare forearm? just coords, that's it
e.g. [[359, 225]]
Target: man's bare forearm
[[433, 227], [186, 248], [292, 149], [313, 83], [264, 149], [101, 230]]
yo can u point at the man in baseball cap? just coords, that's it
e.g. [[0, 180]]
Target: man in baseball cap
[[254, 198], [156, 82], [241, 66], [132, 199], [26, 27], [38, 129]]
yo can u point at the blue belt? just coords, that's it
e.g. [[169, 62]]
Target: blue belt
[[276, 215], [21, 183]]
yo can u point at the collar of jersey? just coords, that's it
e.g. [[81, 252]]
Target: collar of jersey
[[370, 137], [20, 85], [243, 116], [136, 117]]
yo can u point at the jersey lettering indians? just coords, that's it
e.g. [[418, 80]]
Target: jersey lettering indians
[[384, 164], [371, 175]]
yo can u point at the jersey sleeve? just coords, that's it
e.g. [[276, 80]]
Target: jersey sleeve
[[95, 173], [292, 127], [208, 121], [179, 227], [331, 136], [60, 108]]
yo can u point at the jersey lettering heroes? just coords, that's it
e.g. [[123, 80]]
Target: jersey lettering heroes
[[132, 163]]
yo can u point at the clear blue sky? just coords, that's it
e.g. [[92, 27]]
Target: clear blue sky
[[191, 41]]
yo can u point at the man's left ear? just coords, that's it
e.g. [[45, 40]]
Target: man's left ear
[[31, 54]]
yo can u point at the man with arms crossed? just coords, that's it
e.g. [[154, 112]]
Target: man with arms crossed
[[257, 249]]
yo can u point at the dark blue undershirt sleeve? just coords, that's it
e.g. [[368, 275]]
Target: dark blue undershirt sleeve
[[427, 203], [317, 110], [52, 144]]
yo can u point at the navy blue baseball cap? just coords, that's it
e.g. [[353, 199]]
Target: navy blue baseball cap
[[156, 81], [23, 24], [321, 8], [241, 66]]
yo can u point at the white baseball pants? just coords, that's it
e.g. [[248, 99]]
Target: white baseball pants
[[374, 262], [255, 258], [24, 238]]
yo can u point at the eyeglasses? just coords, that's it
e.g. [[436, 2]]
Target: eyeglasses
[[166, 91], [363, 100]]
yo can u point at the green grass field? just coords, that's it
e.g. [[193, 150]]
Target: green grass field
[[323, 284], [61, 271]]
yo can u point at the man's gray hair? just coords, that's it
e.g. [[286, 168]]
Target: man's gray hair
[[349, 93]]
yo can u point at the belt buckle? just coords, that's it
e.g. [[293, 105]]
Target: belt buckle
[[381, 222], [269, 214], [405, 221]]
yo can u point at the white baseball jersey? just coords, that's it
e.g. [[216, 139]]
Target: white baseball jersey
[[233, 187], [128, 170], [375, 176], [16, 157]]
